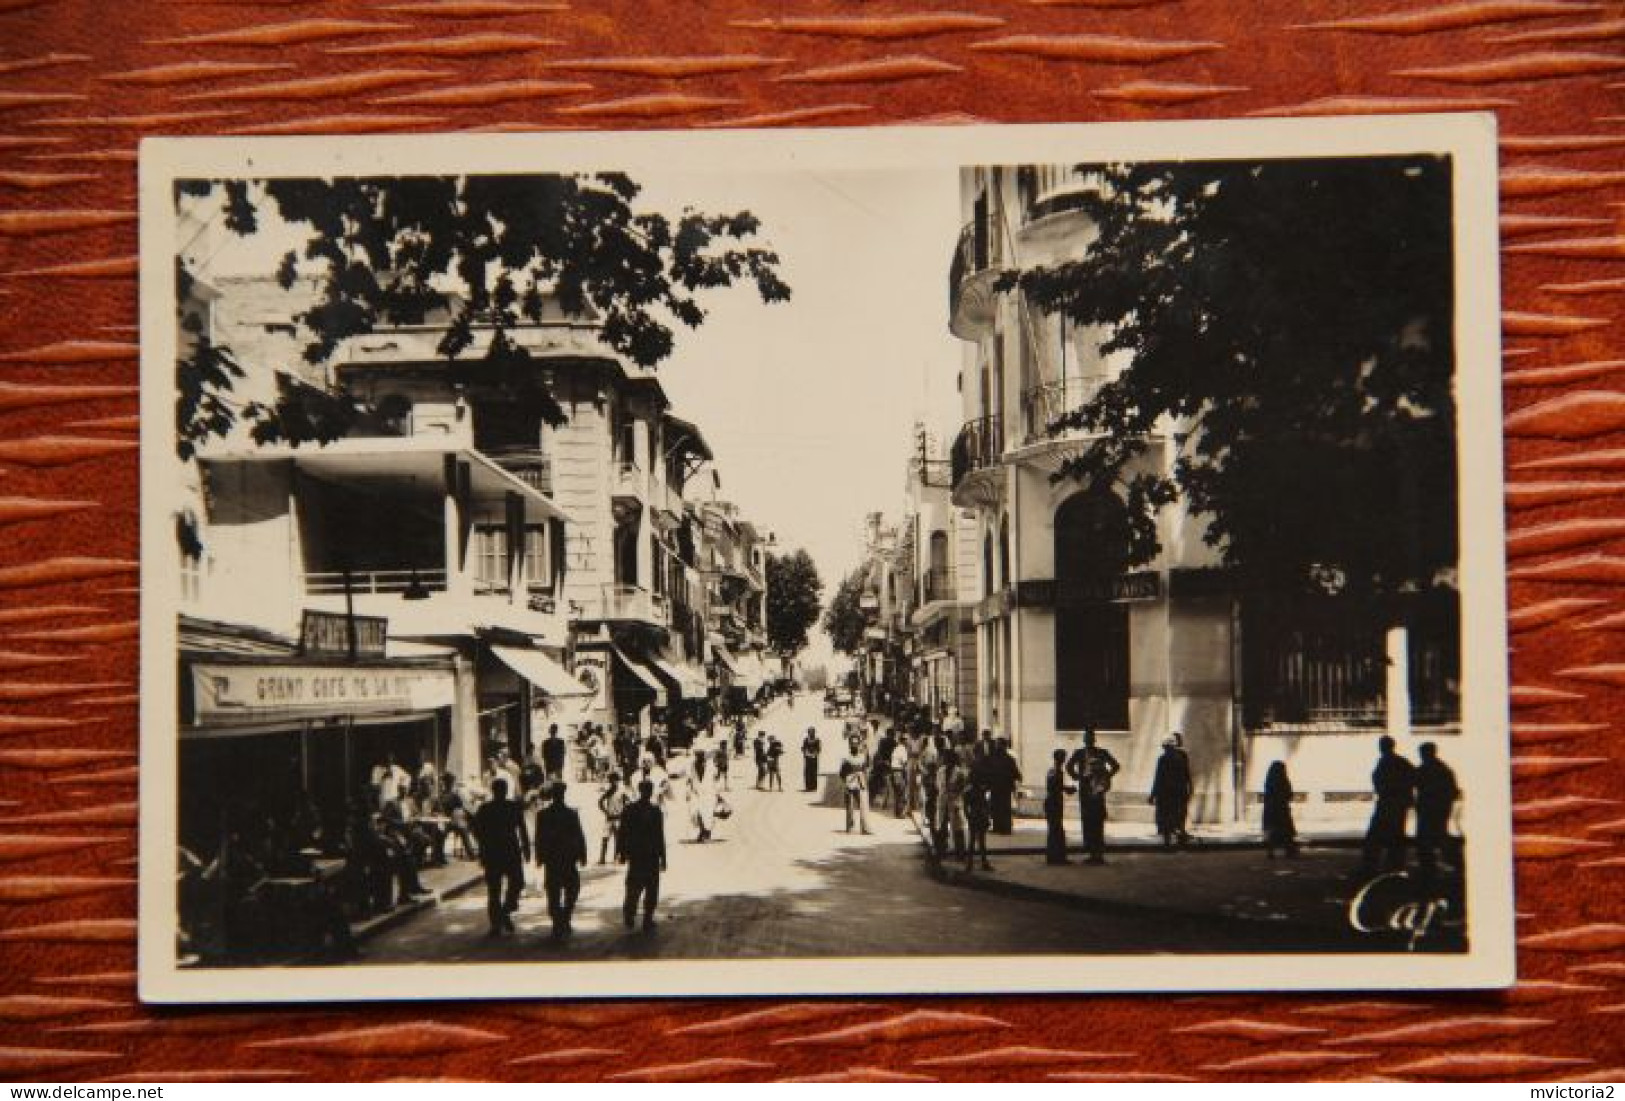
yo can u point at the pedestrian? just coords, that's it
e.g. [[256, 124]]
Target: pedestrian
[[1092, 768], [775, 754], [1003, 777], [929, 766], [811, 748], [1171, 791], [553, 754], [1056, 789], [1436, 795], [978, 818], [454, 807], [880, 768], [702, 799], [760, 748], [855, 783], [720, 755], [499, 827], [951, 803], [1393, 781], [1280, 832], [897, 778], [561, 852], [611, 803], [643, 843]]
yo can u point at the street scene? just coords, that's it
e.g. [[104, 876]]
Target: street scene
[[610, 566]]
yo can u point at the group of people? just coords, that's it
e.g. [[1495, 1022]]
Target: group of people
[[558, 845]]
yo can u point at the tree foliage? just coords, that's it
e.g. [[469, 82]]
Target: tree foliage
[[844, 620], [1291, 322], [794, 595], [492, 249]]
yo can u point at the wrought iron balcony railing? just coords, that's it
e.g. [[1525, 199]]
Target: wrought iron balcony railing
[[1044, 405], [979, 444]]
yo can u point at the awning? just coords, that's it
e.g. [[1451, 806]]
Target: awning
[[752, 673], [725, 659], [686, 682], [637, 676], [541, 671]]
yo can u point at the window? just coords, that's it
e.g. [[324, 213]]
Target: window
[[1091, 667], [987, 564], [1313, 661], [490, 557], [1435, 659], [1004, 550], [538, 564]]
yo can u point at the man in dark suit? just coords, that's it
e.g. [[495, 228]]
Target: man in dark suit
[[643, 843], [499, 827], [1436, 794], [561, 851], [553, 753], [1393, 782]]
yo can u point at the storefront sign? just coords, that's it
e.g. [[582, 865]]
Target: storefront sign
[[1131, 586], [244, 692], [327, 635]]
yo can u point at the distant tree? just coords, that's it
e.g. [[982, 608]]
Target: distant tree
[[387, 250], [1294, 320], [844, 620], [794, 592]]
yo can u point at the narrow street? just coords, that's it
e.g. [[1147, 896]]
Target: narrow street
[[795, 885]]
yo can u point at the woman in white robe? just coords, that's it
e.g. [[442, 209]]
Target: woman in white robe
[[702, 797]]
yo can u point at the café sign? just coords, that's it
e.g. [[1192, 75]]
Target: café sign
[[233, 692], [327, 635]]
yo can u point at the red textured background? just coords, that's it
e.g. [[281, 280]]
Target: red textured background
[[81, 82]]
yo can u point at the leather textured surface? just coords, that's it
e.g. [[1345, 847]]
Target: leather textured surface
[[81, 82]]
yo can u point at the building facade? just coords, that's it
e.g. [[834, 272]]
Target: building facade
[[1071, 636]]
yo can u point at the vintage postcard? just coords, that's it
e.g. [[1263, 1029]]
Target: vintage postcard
[[920, 560]]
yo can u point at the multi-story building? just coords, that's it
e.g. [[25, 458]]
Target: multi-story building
[[943, 639], [734, 565], [1069, 636]]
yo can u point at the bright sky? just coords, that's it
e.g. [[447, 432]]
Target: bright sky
[[808, 405]]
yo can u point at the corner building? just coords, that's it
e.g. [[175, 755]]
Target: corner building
[[1066, 638]]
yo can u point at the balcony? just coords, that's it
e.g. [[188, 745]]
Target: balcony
[[934, 473], [530, 466], [421, 603], [1044, 405], [634, 603], [937, 585], [978, 480], [629, 484], [971, 299]]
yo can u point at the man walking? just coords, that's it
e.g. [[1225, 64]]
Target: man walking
[[553, 752], [561, 851], [775, 753], [1436, 794], [499, 827], [760, 746], [811, 748], [643, 843], [1092, 769], [1393, 782]]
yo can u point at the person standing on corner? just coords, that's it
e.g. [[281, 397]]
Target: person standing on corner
[[1003, 778], [643, 843], [775, 754], [1092, 768], [561, 852], [499, 827], [1436, 794], [855, 783], [1393, 782], [811, 748], [1171, 791], [1056, 789], [1280, 831]]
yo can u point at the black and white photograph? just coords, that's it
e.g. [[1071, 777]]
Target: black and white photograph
[[1002, 559]]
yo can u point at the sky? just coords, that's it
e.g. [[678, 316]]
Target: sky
[[809, 405]]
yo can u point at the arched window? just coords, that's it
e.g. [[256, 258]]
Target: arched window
[[1091, 629]]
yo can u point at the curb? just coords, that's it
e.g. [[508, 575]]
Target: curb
[[381, 923], [1072, 901]]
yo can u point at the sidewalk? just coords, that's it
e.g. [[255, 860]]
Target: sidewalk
[[441, 884], [1227, 882], [1030, 833]]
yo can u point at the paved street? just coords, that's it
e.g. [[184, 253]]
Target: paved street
[[783, 879]]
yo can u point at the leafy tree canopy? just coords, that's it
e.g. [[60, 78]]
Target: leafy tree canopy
[[794, 592], [844, 620], [386, 249], [1291, 321]]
